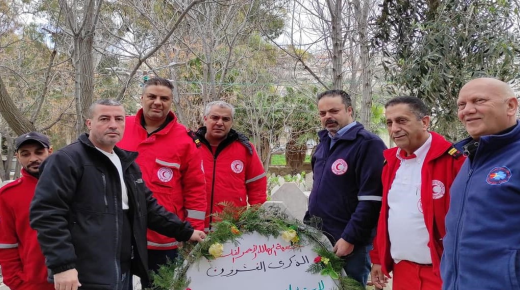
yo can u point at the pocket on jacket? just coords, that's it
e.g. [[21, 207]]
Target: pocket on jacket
[[165, 173], [514, 269]]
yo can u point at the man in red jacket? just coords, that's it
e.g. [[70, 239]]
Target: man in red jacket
[[170, 162], [416, 181], [22, 261], [234, 172]]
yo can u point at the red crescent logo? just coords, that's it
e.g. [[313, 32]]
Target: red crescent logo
[[237, 166], [339, 167]]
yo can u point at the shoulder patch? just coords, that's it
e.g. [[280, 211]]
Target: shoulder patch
[[454, 152], [194, 136]]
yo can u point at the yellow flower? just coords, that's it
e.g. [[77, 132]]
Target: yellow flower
[[295, 239], [325, 261], [289, 235], [216, 250], [234, 230]]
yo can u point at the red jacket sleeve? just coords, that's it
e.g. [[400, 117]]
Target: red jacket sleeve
[[10, 260], [194, 188], [374, 253], [256, 180]]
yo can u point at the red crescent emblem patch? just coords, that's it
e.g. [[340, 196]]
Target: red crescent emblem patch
[[339, 167]]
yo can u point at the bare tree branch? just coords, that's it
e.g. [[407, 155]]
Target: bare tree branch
[[121, 94], [45, 88]]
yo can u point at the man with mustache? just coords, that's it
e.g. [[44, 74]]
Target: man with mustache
[[346, 194], [416, 180], [234, 172], [171, 165], [482, 243], [91, 209], [22, 261]]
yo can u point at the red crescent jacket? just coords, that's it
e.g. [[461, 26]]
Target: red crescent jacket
[[172, 169], [234, 173], [441, 165], [22, 260]]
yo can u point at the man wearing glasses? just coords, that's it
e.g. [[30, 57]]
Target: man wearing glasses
[[234, 172], [170, 162]]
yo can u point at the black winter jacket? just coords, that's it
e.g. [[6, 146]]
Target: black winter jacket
[[77, 212]]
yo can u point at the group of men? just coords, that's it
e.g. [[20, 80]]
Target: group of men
[[435, 215], [117, 202]]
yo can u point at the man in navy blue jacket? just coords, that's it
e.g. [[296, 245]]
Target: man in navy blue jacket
[[482, 242], [346, 194]]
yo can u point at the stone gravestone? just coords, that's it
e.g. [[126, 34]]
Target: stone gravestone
[[293, 197], [259, 263]]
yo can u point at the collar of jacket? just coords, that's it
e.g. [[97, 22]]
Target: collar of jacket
[[164, 130], [231, 137], [499, 140], [349, 135], [438, 147], [126, 157], [26, 174]]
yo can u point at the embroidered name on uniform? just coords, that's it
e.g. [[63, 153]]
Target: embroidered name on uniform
[[499, 175]]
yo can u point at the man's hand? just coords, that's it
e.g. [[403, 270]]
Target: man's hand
[[67, 280], [197, 236], [343, 248], [378, 278]]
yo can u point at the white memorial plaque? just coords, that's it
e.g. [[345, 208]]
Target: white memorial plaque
[[259, 263]]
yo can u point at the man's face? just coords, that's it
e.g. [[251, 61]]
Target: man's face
[[408, 132], [334, 115], [156, 102], [31, 155], [106, 126], [218, 123], [484, 109]]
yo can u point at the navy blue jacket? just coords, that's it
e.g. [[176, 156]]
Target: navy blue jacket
[[347, 189], [482, 242]]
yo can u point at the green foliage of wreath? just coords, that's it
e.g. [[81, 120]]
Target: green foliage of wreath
[[232, 223]]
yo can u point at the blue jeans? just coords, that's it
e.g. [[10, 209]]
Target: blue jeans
[[358, 265]]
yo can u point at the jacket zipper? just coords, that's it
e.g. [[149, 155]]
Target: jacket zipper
[[105, 190], [117, 265], [136, 201], [212, 192], [457, 235]]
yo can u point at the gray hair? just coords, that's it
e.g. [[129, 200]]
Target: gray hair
[[103, 102], [221, 104]]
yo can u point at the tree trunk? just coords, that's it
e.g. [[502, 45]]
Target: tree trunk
[[337, 44], [366, 77], [84, 71], [11, 114]]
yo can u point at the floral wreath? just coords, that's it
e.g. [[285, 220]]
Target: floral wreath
[[232, 223]]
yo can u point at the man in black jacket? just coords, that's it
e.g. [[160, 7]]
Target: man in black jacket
[[91, 209]]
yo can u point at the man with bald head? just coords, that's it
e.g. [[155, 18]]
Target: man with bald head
[[482, 242]]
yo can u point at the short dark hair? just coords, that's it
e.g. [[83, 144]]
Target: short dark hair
[[345, 98], [103, 102], [415, 104], [157, 81]]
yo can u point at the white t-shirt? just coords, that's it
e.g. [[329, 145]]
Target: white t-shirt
[[406, 227], [117, 163]]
